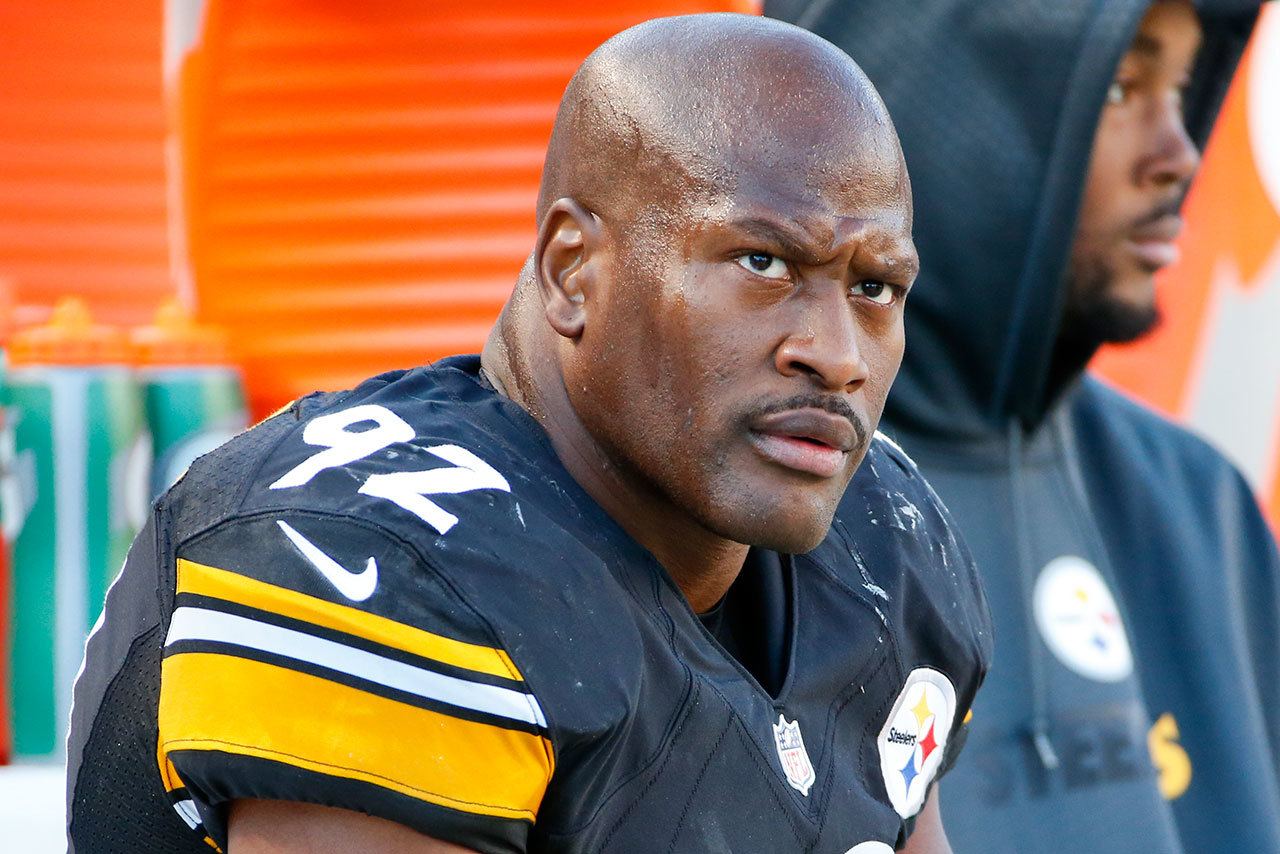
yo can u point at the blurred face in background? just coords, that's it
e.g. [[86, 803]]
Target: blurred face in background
[[1141, 164]]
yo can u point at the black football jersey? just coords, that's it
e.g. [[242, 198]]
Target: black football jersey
[[396, 600]]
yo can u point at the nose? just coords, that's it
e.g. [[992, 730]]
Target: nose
[[1172, 157], [826, 348]]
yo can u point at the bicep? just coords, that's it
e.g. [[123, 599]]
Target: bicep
[[929, 837], [284, 827]]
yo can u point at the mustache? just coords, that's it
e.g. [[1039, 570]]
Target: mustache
[[834, 404], [1172, 207]]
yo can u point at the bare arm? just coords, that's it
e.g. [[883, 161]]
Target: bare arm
[[284, 827], [929, 837]]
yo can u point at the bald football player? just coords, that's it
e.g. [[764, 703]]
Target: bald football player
[[641, 577]]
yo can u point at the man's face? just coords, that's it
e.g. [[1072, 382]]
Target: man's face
[[1141, 163], [739, 360]]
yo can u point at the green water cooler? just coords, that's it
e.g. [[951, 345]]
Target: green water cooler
[[77, 492], [194, 396]]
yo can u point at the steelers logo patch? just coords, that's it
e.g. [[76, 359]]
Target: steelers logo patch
[[1079, 621], [912, 740]]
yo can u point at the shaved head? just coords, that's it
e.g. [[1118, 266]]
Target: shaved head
[[711, 316], [688, 105]]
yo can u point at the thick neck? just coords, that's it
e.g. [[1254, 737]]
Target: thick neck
[[521, 362]]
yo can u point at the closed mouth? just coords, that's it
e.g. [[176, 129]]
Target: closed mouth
[[808, 440], [1163, 230]]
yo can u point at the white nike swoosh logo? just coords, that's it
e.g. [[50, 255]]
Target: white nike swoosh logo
[[356, 586]]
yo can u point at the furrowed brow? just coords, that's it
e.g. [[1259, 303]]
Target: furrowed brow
[[903, 264], [792, 244], [898, 265]]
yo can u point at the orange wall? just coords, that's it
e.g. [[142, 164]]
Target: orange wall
[[82, 181], [359, 179]]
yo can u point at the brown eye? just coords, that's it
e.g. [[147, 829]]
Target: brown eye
[[878, 292], [764, 264]]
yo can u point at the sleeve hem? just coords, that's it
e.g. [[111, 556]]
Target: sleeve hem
[[206, 775]]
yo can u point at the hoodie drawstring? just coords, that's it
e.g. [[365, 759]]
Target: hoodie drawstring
[[1039, 726]]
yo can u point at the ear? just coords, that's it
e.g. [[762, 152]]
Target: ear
[[569, 236]]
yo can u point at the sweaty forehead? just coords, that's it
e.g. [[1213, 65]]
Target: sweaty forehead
[[721, 105], [747, 106]]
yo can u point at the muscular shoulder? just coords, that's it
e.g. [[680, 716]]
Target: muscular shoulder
[[405, 554], [893, 495], [449, 489], [426, 461], [901, 546]]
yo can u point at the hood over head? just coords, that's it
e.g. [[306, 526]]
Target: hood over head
[[996, 105]]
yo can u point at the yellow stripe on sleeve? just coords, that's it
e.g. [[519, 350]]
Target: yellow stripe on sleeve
[[168, 774], [220, 584], [217, 702]]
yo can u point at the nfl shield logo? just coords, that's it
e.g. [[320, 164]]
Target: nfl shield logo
[[794, 758]]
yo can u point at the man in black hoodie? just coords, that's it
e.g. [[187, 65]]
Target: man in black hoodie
[[1134, 582]]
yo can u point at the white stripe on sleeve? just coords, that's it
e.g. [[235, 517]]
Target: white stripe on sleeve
[[203, 624]]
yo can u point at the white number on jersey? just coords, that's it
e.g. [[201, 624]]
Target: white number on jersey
[[344, 446], [408, 489]]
